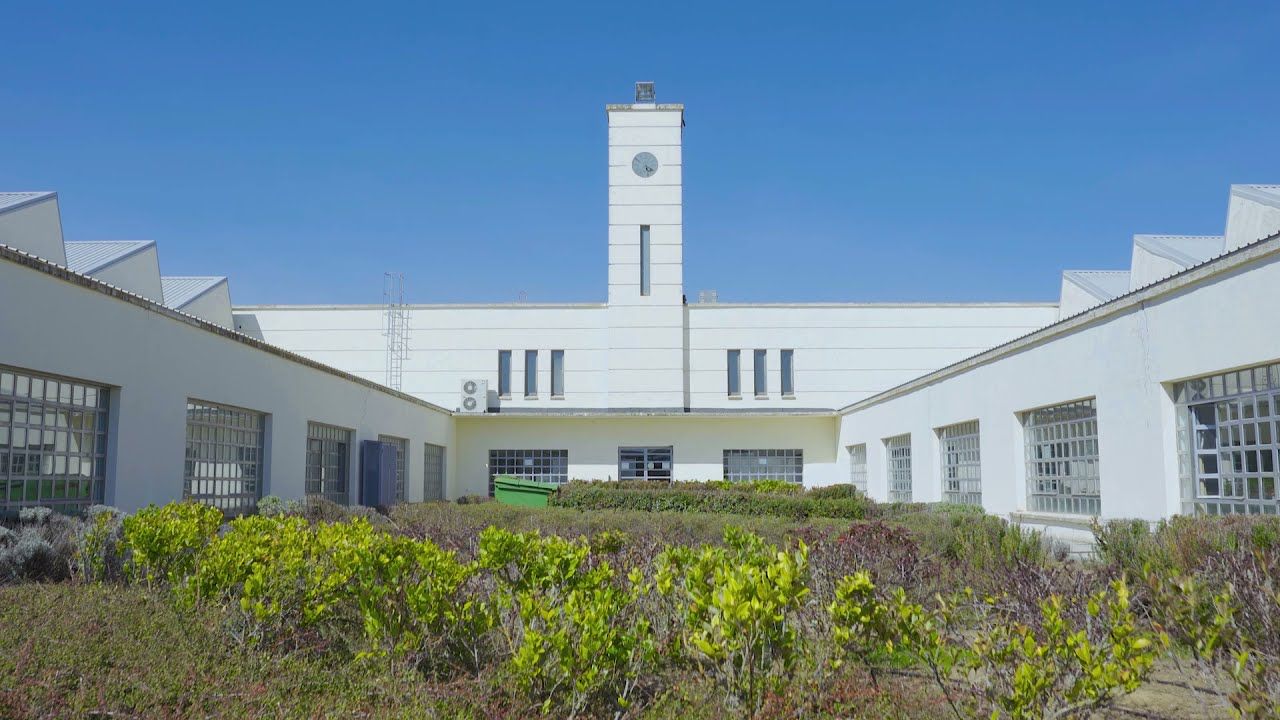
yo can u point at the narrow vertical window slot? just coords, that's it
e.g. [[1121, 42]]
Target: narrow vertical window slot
[[531, 373], [644, 260], [734, 371]]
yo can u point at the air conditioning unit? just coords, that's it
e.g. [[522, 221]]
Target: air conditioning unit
[[475, 396]]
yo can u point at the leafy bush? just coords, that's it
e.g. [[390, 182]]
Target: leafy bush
[[738, 603], [100, 552], [708, 499], [272, 506], [165, 542]]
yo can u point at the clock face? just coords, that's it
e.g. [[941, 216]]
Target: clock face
[[644, 164]]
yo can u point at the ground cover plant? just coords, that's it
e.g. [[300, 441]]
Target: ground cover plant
[[482, 610]]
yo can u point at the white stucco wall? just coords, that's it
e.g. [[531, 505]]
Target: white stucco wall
[[214, 306], [154, 362], [36, 229], [592, 442], [1073, 299], [1253, 213], [1127, 361], [1146, 267], [138, 273]]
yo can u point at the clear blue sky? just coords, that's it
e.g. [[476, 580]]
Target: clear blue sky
[[952, 151]]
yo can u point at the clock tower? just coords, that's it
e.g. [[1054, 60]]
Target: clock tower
[[646, 274]]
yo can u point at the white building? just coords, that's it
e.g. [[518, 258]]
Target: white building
[[927, 401]]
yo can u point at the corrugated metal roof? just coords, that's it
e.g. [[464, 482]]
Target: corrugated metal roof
[[1265, 194], [15, 200], [179, 291], [1186, 250], [1102, 284], [86, 257]]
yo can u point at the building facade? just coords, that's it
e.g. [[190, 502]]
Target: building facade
[[1134, 395]]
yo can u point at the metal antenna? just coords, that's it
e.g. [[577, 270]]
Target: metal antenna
[[395, 314]]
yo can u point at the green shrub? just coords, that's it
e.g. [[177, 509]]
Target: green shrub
[[100, 545], [604, 496], [739, 602], [165, 542]]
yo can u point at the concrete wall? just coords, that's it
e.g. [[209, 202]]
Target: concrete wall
[[698, 443], [1126, 360], [138, 273], [36, 229], [155, 361], [1146, 267]]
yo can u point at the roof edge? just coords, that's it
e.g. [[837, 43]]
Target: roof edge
[[1249, 192], [45, 195], [222, 280], [61, 272], [1090, 286], [146, 245], [1243, 255], [1153, 245]]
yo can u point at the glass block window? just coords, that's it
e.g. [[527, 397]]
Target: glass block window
[[960, 463], [433, 472], [787, 364], [53, 441], [1062, 459], [858, 467], [747, 465], [402, 450], [551, 466], [898, 450], [224, 462], [328, 449], [645, 463], [1228, 441], [733, 372]]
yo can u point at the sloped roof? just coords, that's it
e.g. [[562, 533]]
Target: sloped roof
[[14, 200], [179, 291], [1186, 250], [1102, 284], [89, 256], [1266, 194]]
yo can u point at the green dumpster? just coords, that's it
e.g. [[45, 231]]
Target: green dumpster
[[525, 493]]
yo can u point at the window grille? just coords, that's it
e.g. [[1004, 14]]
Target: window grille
[[858, 467], [748, 465], [550, 466], [433, 472], [1062, 459], [53, 441], [645, 463], [224, 457], [328, 449], [960, 463], [898, 450], [1229, 441]]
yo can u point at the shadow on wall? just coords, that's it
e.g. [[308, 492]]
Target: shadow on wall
[[247, 324]]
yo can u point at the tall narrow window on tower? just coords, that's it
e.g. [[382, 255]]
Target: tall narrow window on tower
[[788, 373], [531, 373], [644, 260], [557, 373], [762, 374], [504, 373], [734, 368]]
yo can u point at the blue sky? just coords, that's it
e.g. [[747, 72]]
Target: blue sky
[[833, 152]]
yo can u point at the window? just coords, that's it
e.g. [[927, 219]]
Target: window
[[645, 463], [53, 441], [733, 367], [402, 450], [644, 260], [504, 373], [1228, 440], [747, 465], [858, 467], [550, 466], [433, 473], [328, 448], [961, 469], [788, 373], [557, 373], [224, 462], [762, 379], [1062, 459], [531, 373], [898, 450]]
